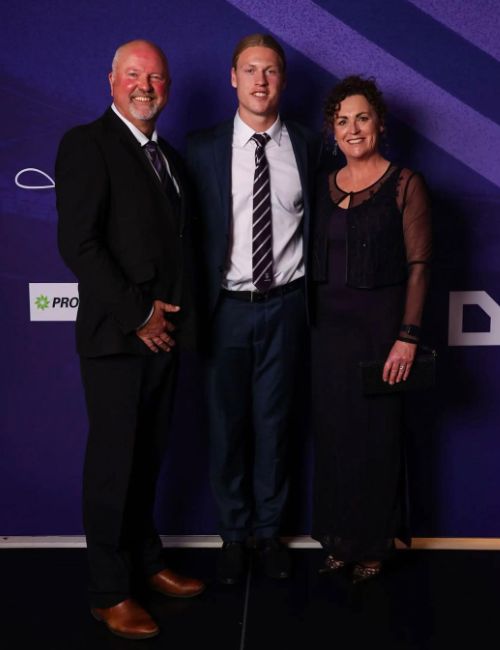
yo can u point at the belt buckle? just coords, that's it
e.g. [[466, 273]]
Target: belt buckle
[[257, 296]]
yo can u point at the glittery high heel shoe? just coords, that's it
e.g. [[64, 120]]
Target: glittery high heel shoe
[[331, 565], [362, 572]]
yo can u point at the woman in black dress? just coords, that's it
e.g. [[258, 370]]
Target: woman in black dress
[[372, 247]]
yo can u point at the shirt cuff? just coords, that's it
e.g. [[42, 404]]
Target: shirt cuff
[[146, 320]]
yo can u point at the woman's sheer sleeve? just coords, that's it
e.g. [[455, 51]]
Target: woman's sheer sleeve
[[414, 203]]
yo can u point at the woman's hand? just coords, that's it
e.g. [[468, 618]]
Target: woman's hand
[[398, 364]]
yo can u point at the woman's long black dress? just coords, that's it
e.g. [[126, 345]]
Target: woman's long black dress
[[359, 478]]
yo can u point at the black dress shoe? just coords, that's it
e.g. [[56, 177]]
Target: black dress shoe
[[274, 558], [232, 563]]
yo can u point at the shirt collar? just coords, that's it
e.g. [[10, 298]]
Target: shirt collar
[[242, 133], [138, 135]]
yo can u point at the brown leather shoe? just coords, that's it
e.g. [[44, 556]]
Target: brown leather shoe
[[127, 619], [169, 583]]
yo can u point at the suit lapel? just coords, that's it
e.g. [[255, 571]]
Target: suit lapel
[[179, 179], [300, 150], [222, 150], [299, 145], [171, 163]]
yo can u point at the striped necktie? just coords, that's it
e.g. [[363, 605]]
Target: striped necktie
[[262, 243]]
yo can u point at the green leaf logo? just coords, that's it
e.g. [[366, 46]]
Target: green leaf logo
[[42, 302]]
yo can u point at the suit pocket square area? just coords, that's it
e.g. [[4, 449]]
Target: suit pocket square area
[[422, 376]]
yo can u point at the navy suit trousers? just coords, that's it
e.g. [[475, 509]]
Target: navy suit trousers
[[257, 349]]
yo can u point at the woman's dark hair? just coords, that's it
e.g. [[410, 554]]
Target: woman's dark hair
[[353, 85]]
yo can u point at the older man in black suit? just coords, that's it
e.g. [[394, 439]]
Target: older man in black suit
[[124, 232]]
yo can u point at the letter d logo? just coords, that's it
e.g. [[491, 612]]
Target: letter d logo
[[456, 335]]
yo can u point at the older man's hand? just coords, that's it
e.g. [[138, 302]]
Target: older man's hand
[[156, 332]]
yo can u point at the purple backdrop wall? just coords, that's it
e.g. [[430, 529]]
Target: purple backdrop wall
[[438, 63]]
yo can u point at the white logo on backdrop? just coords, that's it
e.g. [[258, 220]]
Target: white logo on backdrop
[[53, 301], [456, 335], [45, 176]]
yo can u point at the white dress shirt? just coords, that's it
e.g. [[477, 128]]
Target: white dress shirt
[[287, 207]]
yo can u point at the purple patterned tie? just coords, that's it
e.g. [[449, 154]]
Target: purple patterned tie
[[156, 158], [262, 243]]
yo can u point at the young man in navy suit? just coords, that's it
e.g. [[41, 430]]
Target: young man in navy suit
[[124, 232], [253, 176]]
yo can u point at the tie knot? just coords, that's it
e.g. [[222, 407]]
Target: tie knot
[[261, 139], [151, 147]]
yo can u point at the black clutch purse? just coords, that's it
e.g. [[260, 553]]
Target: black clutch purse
[[422, 375]]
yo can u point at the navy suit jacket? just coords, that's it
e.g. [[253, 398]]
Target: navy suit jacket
[[209, 162]]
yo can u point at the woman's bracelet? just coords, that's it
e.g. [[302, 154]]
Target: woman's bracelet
[[410, 330], [407, 340]]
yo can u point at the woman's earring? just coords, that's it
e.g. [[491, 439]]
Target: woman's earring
[[384, 144], [335, 147]]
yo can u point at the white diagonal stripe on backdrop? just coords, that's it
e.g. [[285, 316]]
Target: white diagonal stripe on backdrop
[[478, 22]]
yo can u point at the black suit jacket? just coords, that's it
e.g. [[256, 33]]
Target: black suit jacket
[[122, 237], [209, 161]]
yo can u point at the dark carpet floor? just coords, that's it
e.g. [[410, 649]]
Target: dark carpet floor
[[423, 600]]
